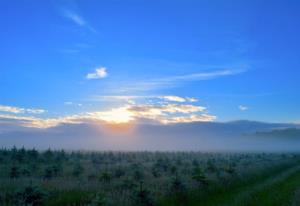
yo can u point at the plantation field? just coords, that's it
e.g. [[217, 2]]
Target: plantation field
[[29, 177]]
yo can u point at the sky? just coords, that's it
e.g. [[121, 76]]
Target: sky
[[154, 61]]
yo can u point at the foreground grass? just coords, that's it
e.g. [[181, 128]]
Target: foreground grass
[[29, 177], [277, 187], [280, 193]]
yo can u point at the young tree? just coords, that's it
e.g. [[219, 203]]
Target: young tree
[[48, 175], [143, 197], [119, 172], [229, 169], [14, 172], [77, 170], [99, 200], [128, 184], [177, 185], [199, 177], [31, 195], [57, 169], [32, 154], [105, 177], [138, 175]]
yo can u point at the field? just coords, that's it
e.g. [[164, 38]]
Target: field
[[30, 177]]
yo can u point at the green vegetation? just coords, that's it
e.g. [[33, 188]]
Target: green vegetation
[[29, 177]]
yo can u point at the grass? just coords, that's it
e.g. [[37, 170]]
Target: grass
[[281, 193], [72, 197], [144, 178], [275, 187]]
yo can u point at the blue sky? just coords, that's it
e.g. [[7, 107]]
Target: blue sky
[[238, 59]]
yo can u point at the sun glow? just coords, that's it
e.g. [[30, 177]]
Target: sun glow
[[115, 115], [117, 129]]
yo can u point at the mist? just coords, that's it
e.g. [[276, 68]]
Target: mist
[[198, 136]]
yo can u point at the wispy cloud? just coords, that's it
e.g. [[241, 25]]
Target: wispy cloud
[[149, 110], [171, 81], [36, 122], [18, 110], [203, 75], [75, 18], [243, 108], [72, 104], [11, 109], [99, 73], [78, 20], [132, 98]]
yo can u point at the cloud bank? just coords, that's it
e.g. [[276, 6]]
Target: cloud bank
[[166, 112]]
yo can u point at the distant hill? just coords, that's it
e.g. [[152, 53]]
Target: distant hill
[[234, 128], [281, 133]]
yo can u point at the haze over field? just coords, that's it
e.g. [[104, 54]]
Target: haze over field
[[203, 136]]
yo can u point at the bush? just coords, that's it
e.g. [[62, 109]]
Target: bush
[[99, 200], [14, 172], [143, 197], [31, 195]]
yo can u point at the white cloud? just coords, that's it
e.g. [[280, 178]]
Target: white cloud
[[192, 99], [75, 18], [150, 111], [174, 98], [178, 99], [243, 108], [11, 109], [17, 110], [98, 74], [36, 111]]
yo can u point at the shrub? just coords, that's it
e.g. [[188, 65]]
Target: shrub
[[98, 200], [199, 177], [143, 197], [14, 172], [30, 195]]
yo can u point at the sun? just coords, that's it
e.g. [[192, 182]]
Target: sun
[[119, 115]]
